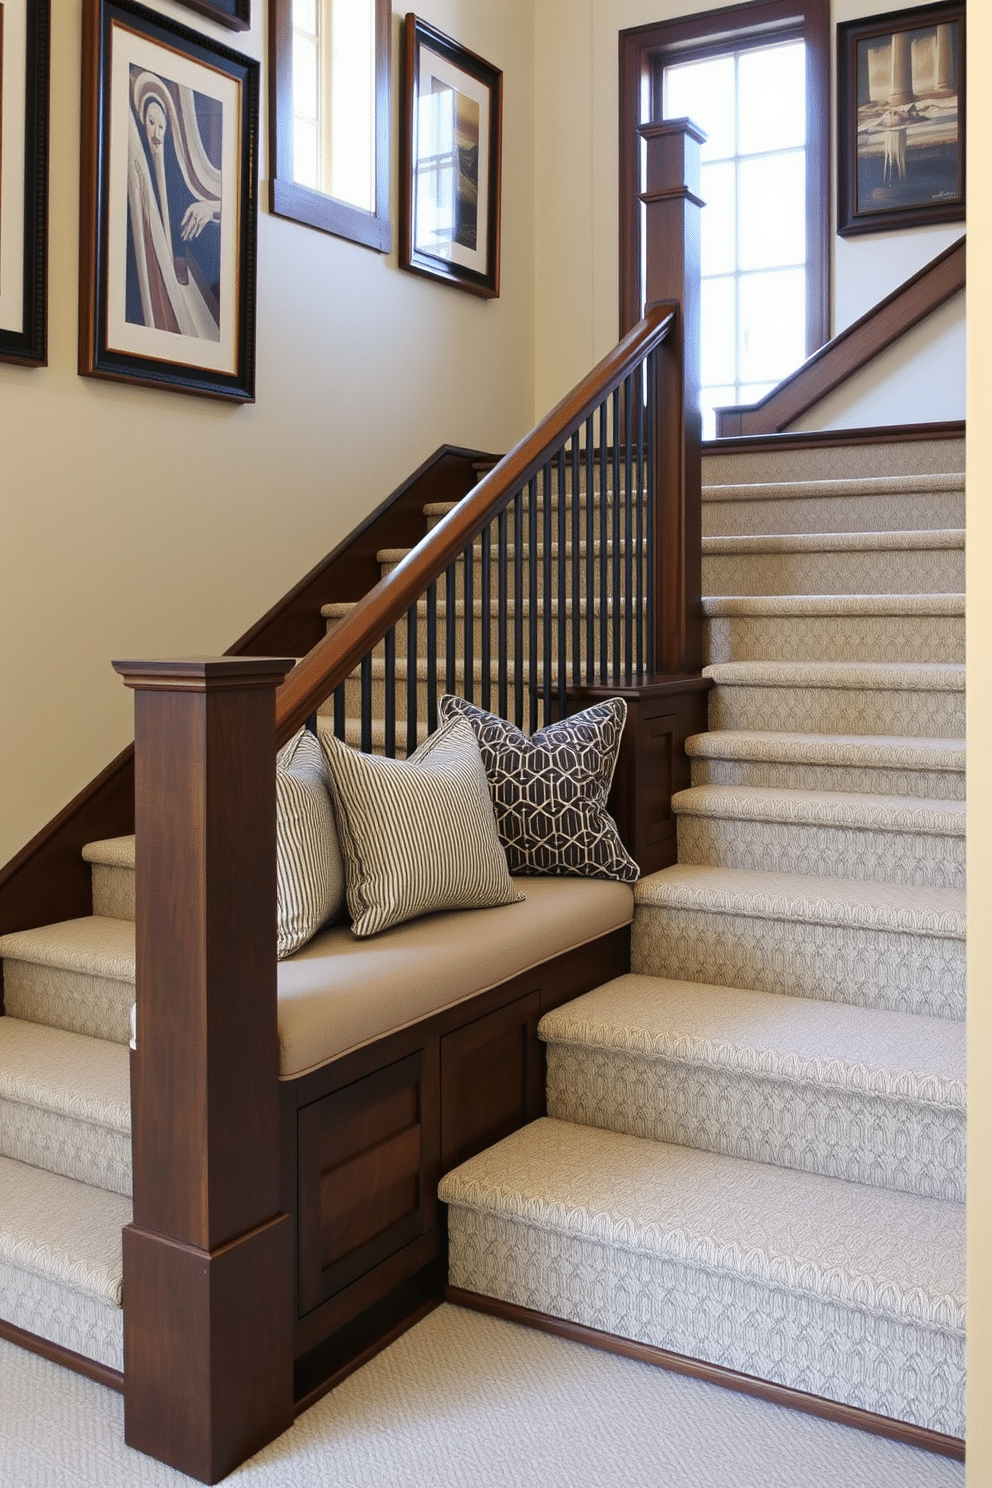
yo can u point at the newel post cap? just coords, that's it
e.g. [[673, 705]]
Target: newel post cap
[[204, 673]]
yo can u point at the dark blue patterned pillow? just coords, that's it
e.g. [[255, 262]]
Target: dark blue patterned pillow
[[549, 792]]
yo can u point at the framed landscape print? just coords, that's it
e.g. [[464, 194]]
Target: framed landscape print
[[901, 119], [24, 59], [450, 162], [235, 14], [169, 205]]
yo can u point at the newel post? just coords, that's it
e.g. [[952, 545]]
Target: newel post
[[670, 194], [208, 1266]]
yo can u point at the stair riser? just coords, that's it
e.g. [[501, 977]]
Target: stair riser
[[98, 1006], [823, 851], [892, 1366], [910, 458], [903, 972], [931, 638], [113, 891], [925, 512], [944, 785], [76, 1149], [839, 710], [885, 571], [847, 1134], [81, 1323]]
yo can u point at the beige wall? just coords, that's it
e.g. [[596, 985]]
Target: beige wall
[[136, 522], [577, 205]]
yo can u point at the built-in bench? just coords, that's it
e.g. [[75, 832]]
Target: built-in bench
[[401, 1056]]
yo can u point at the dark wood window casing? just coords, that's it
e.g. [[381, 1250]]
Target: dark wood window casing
[[644, 53], [287, 198]]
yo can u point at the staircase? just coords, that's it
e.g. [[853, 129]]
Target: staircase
[[754, 1148]]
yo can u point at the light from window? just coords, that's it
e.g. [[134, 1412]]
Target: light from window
[[334, 99], [752, 106]]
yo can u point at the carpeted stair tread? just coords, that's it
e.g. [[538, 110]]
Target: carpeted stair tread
[[867, 675], [864, 750], [834, 808], [806, 605], [798, 898], [836, 542], [62, 1231], [95, 945], [111, 852], [871, 485], [794, 1039]]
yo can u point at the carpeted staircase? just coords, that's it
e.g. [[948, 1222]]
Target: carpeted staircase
[[754, 1150]]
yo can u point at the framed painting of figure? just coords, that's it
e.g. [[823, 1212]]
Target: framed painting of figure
[[24, 58], [169, 205], [900, 119], [450, 162]]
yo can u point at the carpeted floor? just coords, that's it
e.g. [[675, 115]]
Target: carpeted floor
[[465, 1400]]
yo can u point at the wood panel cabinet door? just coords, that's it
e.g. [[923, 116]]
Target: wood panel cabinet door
[[492, 1079]]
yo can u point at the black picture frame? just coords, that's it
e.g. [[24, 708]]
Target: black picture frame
[[169, 205], [455, 239], [24, 100], [234, 14], [901, 119]]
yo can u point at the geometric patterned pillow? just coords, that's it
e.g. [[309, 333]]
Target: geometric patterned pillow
[[549, 792], [309, 872], [417, 835]]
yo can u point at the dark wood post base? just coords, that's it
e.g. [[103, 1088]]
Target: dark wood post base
[[662, 712], [208, 1350]]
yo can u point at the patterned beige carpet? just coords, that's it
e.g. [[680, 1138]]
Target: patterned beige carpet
[[464, 1400]]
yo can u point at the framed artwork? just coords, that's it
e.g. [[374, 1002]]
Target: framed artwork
[[168, 205], [24, 58], [450, 162], [901, 119], [234, 14]]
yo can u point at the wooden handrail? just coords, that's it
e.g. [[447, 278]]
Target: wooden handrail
[[854, 347], [336, 656]]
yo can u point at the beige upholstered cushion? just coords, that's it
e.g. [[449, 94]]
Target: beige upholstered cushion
[[309, 873], [339, 993], [418, 835]]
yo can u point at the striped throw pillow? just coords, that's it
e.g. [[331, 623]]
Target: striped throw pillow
[[417, 835], [309, 871]]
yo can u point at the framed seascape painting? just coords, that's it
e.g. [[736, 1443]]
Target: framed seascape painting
[[901, 119], [24, 58], [169, 205], [450, 162]]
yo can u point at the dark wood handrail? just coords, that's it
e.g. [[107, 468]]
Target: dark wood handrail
[[854, 347], [335, 657]]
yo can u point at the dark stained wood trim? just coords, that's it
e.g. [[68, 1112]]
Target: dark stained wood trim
[[113, 1379], [920, 295], [715, 1374], [826, 438], [305, 1401]]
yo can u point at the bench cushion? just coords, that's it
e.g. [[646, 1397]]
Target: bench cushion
[[339, 992]]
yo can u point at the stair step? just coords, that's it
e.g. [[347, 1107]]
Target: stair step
[[77, 975], [835, 563], [774, 461], [856, 504], [834, 1288], [830, 834], [923, 700], [876, 765], [868, 944], [65, 1104], [112, 874], [60, 1260], [869, 627], [870, 1096]]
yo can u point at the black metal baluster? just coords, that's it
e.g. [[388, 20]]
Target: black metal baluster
[[546, 590], [628, 535], [649, 504], [339, 712], [604, 548], [366, 684], [485, 629], [450, 605], [639, 384], [590, 566], [502, 614], [468, 622], [389, 735], [431, 661], [519, 671], [412, 709], [576, 564], [561, 671], [532, 571], [616, 599]]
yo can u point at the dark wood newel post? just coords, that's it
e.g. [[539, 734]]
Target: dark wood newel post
[[208, 1266]]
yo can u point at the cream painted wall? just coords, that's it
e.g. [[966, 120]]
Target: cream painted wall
[[137, 522], [577, 205]]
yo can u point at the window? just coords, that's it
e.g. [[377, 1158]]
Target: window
[[755, 78], [330, 104]]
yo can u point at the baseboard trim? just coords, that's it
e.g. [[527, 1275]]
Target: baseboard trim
[[715, 1374], [57, 1354]]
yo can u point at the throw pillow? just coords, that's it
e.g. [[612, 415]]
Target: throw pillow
[[309, 871], [549, 792], [418, 835]]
